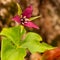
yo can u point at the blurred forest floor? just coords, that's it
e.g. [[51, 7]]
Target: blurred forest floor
[[49, 23]]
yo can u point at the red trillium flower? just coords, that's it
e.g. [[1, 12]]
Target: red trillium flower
[[53, 54], [24, 18]]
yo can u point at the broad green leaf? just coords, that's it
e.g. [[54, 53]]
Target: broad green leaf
[[19, 9], [44, 46], [33, 36], [14, 34], [32, 42], [14, 49], [35, 46], [9, 52], [33, 18]]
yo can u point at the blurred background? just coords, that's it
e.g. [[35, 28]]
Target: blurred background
[[49, 22]]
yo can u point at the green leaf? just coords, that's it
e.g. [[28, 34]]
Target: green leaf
[[33, 18], [35, 46], [32, 42], [14, 34], [10, 52], [13, 48], [44, 46], [19, 9], [33, 36]]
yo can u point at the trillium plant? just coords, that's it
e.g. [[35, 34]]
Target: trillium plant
[[16, 40]]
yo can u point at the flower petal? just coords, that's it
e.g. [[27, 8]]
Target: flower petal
[[30, 24], [16, 18], [28, 12]]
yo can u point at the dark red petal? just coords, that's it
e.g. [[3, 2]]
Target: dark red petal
[[27, 12], [16, 18], [31, 25]]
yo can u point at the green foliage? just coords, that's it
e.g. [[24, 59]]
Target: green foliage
[[32, 42], [14, 48], [10, 52], [14, 33]]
